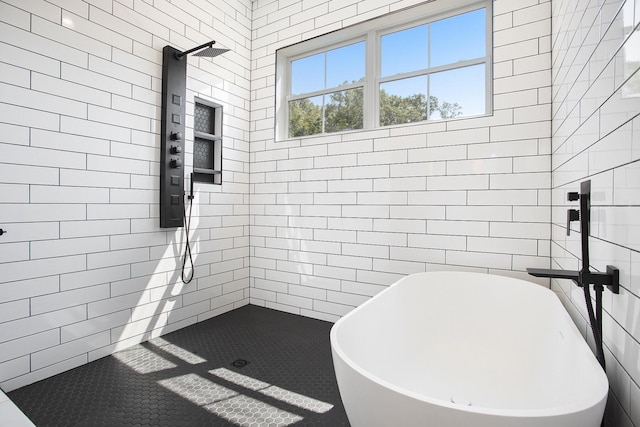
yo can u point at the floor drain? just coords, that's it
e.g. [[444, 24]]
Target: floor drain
[[239, 363]]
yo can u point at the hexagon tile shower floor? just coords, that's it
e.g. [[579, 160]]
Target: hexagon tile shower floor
[[249, 367]]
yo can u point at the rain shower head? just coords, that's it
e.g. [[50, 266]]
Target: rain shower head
[[209, 52]]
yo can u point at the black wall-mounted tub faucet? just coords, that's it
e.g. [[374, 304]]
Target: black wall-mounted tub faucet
[[585, 277]]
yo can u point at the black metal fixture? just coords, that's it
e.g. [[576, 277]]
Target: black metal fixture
[[174, 87], [585, 277], [209, 52], [186, 279]]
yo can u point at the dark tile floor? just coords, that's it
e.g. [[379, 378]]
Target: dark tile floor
[[249, 367]]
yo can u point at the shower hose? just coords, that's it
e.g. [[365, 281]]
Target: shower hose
[[596, 319], [187, 250]]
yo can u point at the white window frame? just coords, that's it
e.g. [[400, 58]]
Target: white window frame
[[371, 31]]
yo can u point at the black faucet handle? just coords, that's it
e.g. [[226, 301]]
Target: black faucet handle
[[572, 215], [573, 196]]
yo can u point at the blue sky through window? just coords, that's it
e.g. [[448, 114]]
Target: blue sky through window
[[307, 74], [405, 51], [464, 86], [328, 69], [458, 38], [346, 64]]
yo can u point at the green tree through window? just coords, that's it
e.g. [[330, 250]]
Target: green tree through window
[[305, 118], [344, 111], [396, 109]]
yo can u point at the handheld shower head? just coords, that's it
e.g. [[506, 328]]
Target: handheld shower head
[[209, 52]]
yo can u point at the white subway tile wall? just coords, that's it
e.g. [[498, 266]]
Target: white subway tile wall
[[596, 136], [84, 267], [337, 218], [313, 226]]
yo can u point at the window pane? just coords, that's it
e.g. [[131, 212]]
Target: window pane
[[343, 110], [404, 51], [403, 101], [458, 38], [305, 116], [307, 74], [345, 65], [459, 92]]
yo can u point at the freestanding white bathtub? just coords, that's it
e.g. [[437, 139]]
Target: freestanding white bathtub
[[466, 349]]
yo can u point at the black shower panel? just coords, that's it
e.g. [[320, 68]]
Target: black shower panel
[[174, 88]]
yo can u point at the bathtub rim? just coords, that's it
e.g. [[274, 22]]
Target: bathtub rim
[[514, 413]]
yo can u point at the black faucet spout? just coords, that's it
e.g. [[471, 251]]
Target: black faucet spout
[[554, 274]]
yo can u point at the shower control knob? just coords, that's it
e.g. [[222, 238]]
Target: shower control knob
[[175, 163], [572, 215], [176, 136], [176, 149]]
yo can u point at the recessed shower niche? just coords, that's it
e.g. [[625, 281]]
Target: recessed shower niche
[[207, 142]]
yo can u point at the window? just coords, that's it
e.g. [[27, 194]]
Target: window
[[392, 70]]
